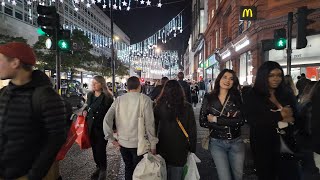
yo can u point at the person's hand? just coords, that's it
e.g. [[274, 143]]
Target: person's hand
[[288, 119], [153, 151], [286, 112], [116, 144], [211, 118], [84, 113]]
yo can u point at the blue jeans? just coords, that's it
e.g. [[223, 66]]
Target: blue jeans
[[174, 172], [228, 156]]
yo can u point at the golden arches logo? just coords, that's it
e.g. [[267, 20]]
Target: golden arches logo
[[247, 13]]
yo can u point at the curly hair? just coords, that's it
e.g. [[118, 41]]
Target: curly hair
[[172, 94]]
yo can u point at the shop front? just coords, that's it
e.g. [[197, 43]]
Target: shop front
[[306, 60], [211, 68], [245, 68]]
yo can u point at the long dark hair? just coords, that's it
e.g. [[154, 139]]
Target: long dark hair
[[261, 85], [172, 94], [234, 91]]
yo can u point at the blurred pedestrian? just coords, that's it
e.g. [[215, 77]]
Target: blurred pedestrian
[[185, 86], [157, 90], [174, 146], [29, 138], [209, 86], [303, 133], [315, 117], [99, 100], [220, 112], [126, 112], [288, 82], [202, 89], [194, 95], [301, 83], [270, 110]]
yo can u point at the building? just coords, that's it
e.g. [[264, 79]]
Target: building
[[240, 43], [21, 20], [199, 25]]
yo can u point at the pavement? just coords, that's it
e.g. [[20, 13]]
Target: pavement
[[79, 164]]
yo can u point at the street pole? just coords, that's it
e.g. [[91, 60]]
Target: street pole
[[289, 49], [58, 63], [113, 63]]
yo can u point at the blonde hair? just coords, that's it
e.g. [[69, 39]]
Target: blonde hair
[[104, 85], [288, 81]]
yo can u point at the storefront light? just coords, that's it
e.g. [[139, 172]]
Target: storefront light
[[225, 54], [242, 45]]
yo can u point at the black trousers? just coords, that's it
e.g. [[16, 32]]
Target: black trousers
[[131, 159], [99, 145]]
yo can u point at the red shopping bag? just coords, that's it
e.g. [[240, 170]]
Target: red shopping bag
[[72, 136], [82, 133]]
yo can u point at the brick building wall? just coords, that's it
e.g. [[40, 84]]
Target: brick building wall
[[272, 14]]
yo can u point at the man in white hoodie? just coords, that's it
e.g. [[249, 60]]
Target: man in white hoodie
[[126, 112]]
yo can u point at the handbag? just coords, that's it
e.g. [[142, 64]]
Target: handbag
[[82, 139], [144, 145], [205, 141]]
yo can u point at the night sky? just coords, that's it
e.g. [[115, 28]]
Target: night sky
[[139, 23]]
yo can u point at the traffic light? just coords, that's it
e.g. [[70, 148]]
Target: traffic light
[[280, 39], [302, 23], [64, 42], [48, 19]]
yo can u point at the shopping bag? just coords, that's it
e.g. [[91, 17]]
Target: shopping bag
[[82, 133], [190, 169], [72, 136], [151, 167]]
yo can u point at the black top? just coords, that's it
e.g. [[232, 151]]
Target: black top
[[315, 121], [28, 146], [173, 145], [186, 88]]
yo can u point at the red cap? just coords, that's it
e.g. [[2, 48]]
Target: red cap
[[19, 50]]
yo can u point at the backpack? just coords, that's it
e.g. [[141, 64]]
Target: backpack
[[36, 106]]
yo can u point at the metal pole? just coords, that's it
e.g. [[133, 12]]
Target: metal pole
[[113, 63], [58, 63], [289, 48]]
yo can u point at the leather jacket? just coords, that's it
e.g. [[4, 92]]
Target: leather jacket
[[227, 127]]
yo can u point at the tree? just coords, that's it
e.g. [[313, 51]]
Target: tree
[[6, 38]]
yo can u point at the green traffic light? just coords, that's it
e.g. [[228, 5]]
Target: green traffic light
[[280, 43], [64, 45]]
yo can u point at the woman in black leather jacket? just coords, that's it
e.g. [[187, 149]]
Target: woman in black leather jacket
[[226, 146], [99, 101]]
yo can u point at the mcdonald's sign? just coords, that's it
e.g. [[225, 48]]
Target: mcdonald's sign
[[248, 13]]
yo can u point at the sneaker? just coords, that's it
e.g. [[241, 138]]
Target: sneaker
[[95, 174]]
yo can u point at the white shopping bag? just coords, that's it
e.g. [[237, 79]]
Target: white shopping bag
[[151, 167], [190, 169]]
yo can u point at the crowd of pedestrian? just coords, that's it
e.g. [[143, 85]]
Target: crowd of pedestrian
[[284, 123]]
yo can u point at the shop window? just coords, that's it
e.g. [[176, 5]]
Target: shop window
[[245, 73], [229, 65]]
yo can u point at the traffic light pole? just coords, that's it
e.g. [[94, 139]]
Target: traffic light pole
[[289, 38], [58, 63], [113, 63]]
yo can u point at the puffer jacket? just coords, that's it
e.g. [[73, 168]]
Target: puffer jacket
[[225, 127], [29, 145]]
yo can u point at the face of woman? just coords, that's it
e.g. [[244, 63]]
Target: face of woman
[[274, 78], [96, 86], [226, 81]]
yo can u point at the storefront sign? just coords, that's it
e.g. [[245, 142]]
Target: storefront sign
[[308, 55], [248, 13]]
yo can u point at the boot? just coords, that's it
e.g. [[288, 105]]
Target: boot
[[102, 175], [95, 174]]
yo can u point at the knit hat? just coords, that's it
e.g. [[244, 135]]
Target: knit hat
[[19, 50]]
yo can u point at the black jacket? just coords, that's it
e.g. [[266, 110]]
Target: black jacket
[[186, 88], [220, 129], [156, 92], [315, 121], [28, 146], [173, 145], [97, 108], [263, 122]]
